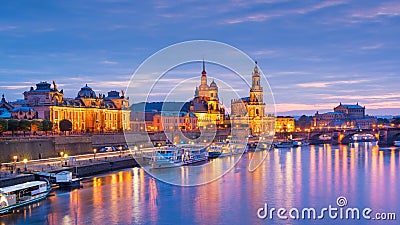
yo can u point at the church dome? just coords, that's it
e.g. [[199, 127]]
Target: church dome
[[86, 92], [213, 85]]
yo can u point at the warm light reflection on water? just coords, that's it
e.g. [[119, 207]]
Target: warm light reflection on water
[[311, 176]]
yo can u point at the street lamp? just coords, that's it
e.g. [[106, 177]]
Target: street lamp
[[15, 157], [61, 157], [25, 162], [94, 154], [65, 158], [120, 151]]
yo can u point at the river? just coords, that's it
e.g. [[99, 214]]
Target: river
[[309, 176]]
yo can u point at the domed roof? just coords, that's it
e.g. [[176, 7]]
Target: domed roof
[[213, 85], [86, 92]]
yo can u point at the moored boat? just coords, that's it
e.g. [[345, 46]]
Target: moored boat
[[19, 195], [174, 156], [299, 142], [64, 180], [283, 144], [396, 143]]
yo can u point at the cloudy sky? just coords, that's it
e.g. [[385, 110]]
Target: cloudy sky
[[314, 53]]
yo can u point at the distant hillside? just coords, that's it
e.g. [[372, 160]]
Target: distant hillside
[[160, 106]]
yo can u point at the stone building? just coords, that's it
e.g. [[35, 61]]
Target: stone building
[[344, 116], [88, 112], [284, 124], [205, 104], [251, 110]]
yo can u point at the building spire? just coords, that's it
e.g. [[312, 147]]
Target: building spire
[[204, 67], [256, 72]]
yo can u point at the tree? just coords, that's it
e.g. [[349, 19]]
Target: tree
[[3, 126], [65, 125], [304, 122], [13, 126], [24, 125], [47, 125], [36, 126], [396, 120], [383, 121]]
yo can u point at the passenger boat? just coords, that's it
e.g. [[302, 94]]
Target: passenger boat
[[222, 149], [396, 143], [363, 138], [174, 156], [214, 151], [19, 195], [283, 144], [299, 142], [64, 180]]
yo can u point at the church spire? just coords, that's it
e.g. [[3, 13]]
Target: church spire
[[256, 72], [204, 68], [204, 75]]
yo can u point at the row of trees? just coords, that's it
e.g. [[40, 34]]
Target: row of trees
[[25, 126], [385, 121]]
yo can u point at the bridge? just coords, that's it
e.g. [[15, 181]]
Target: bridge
[[385, 136], [388, 135]]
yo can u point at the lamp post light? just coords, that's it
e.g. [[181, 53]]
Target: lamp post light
[[25, 162], [94, 154], [61, 157], [120, 151], [15, 157], [65, 159]]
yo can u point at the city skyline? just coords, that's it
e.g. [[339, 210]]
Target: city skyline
[[314, 54]]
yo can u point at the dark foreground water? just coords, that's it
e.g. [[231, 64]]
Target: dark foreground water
[[312, 176]]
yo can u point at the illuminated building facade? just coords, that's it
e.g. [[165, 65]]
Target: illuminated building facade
[[251, 110], [87, 112], [284, 124], [184, 121], [344, 116], [205, 105]]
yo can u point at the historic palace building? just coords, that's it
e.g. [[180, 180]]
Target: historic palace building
[[206, 105], [251, 110], [344, 116], [87, 112]]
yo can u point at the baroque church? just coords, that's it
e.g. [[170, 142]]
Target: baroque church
[[251, 110], [205, 104]]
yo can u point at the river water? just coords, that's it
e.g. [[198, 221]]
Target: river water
[[311, 176]]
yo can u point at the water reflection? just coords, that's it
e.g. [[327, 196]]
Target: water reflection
[[299, 177]]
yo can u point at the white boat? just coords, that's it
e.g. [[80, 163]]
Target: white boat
[[283, 144], [222, 149], [174, 156], [15, 196], [363, 138], [396, 143], [64, 180], [299, 143]]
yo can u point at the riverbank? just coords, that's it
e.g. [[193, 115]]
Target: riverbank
[[79, 169]]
